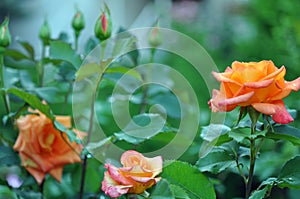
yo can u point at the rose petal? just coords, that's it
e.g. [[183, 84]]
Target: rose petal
[[276, 109], [64, 120], [294, 85], [275, 73], [38, 175], [236, 100], [155, 165], [131, 158], [259, 84], [115, 174], [221, 77], [112, 188], [267, 109], [56, 173]]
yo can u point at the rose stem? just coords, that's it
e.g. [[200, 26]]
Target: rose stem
[[84, 163], [4, 95], [252, 162]]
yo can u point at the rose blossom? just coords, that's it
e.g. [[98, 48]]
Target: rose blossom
[[257, 84], [137, 174], [42, 148]]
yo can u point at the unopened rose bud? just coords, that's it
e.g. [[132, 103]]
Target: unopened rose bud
[[155, 37], [5, 38], [78, 22], [44, 33], [103, 26]]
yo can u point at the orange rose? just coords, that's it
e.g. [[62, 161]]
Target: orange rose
[[257, 84], [42, 148], [138, 174]]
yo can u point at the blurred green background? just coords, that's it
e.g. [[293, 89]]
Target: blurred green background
[[242, 30]]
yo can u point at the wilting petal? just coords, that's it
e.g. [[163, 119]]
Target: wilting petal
[[276, 109], [282, 116], [112, 188]]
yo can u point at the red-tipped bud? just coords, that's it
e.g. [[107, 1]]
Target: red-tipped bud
[[5, 38], [78, 22], [44, 33], [155, 36], [103, 26]]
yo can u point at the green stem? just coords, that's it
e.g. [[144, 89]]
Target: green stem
[[84, 164], [253, 153], [76, 41], [41, 187], [66, 97], [2, 85], [145, 87], [41, 67], [239, 168], [1, 71]]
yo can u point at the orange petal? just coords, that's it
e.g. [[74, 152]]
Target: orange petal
[[259, 84], [221, 77], [64, 120], [236, 100], [267, 109], [56, 173], [274, 74], [37, 174]]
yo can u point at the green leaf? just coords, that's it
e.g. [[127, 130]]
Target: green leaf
[[285, 132], [6, 193], [141, 127], [15, 54], [289, 175], [92, 176], [259, 194], [240, 134], [267, 184], [128, 138], [19, 64], [179, 192], [219, 159], [162, 190], [32, 100], [28, 47], [60, 50], [190, 179], [28, 194], [71, 134], [87, 70], [124, 70], [97, 148], [50, 94], [8, 156], [213, 131], [124, 43]]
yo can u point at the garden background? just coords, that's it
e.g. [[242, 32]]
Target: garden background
[[242, 30]]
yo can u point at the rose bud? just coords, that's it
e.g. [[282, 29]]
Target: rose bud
[[5, 38]]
